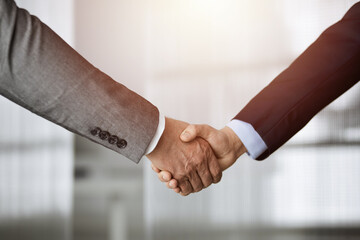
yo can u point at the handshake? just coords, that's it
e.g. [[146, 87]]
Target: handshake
[[40, 72], [190, 158]]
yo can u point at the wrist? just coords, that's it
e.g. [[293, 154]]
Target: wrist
[[172, 130], [159, 132], [236, 145]]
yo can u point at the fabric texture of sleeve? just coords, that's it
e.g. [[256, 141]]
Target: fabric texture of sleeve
[[328, 68], [40, 72]]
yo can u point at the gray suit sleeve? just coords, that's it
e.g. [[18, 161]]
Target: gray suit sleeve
[[40, 72]]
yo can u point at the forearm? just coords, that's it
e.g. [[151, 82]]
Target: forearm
[[43, 74], [328, 68]]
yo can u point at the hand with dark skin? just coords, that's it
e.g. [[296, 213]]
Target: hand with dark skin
[[193, 164], [225, 144]]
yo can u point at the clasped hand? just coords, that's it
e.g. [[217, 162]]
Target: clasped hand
[[189, 158]]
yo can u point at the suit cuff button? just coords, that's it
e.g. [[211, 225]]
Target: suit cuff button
[[122, 143], [113, 139], [95, 131], [103, 135]]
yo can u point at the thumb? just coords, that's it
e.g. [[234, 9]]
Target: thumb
[[192, 131], [189, 133]]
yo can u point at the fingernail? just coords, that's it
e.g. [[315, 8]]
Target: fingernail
[[185, 134], [163, 176]]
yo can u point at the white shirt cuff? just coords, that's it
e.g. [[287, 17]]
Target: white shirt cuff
[[252, 141], [157, 136]]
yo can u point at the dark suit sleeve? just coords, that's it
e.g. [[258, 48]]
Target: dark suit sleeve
[[40, 72], [328, 68]]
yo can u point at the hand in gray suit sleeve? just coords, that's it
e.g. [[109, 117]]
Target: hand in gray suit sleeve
[[40, 72]]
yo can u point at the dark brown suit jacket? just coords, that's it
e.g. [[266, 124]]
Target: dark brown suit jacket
[[328, 68]]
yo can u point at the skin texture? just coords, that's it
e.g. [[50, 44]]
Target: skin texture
[[193, 164], [225, 144]]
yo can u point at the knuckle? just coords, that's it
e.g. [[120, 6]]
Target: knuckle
[[192, 167], [203, 167], [207, 184], [184, 186], [201, 162], [197, 189], [218, 177], [188, 192], [185, 191], [197, 186], [183, 179]]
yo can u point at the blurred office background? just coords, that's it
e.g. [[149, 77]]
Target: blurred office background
[[199, 61]]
